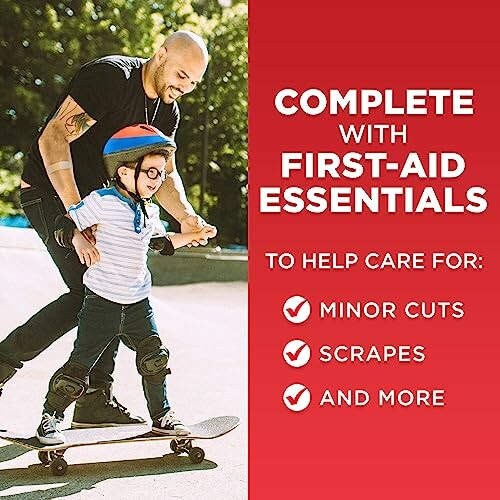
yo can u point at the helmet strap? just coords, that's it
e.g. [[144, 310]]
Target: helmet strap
[[135, 195]]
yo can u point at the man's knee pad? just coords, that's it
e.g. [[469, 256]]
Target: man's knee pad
[[6, 373], [152, 359], [67, 385]]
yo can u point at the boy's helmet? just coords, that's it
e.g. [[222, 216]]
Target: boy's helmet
[[132, 143]]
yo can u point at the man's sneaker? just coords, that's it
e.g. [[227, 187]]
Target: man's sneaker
[[169, 425], [48, 432], [97, 410]]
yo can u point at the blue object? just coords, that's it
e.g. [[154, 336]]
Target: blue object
[[14, 221]]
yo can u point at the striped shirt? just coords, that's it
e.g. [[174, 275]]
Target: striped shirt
[[122, 238]]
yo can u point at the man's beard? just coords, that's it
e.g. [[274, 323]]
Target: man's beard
[[161, 89]]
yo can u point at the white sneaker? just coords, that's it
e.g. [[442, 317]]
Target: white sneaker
[[169, 425], [48, 432]]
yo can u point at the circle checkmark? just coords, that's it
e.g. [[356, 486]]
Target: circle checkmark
[[297, 353], [296, 397], [296, 309]]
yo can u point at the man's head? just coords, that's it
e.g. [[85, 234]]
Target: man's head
[[178, 66]]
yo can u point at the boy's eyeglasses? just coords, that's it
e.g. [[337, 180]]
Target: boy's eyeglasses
[[152, 172]]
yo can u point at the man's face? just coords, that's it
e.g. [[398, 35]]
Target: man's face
[[178, 74]]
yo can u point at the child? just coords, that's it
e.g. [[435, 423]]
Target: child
[[117, 281]]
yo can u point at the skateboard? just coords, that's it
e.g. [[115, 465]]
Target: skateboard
[[53, 455]]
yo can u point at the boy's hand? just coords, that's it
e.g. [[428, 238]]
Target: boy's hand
[[86, 251]]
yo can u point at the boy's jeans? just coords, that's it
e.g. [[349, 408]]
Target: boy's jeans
[[60, 316], [100, 321]]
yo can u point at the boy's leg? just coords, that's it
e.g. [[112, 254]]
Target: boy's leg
[[98, 323], [65, 386], [141, 334]]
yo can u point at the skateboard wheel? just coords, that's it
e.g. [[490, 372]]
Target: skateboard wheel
[[196, 455], [175, 447], [58, 467], [43, 456]]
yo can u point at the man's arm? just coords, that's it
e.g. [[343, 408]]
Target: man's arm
[[172, 195], [69, 122]]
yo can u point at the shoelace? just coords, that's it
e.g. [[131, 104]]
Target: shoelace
[[168, 419], [114, 402], [49, 423]]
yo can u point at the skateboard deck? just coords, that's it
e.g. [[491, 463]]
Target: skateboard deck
[[52, 455]]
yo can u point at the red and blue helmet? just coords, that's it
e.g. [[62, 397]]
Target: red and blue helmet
[[131, 143]]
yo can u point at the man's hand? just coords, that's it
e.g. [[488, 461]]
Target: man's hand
[[86, 251], [206, 233], [193, 224]]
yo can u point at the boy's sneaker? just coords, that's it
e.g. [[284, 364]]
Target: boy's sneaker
[[169, 425], [48, 432]]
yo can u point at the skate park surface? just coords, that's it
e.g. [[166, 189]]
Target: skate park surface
[[204, 326]]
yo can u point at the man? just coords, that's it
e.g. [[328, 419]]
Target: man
[[65, 164]]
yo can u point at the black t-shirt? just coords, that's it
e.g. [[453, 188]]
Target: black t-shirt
[[110, 90]]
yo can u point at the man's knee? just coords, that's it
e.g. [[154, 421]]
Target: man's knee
[[152, 359], [77, 294], [68, 384], [74, 300]]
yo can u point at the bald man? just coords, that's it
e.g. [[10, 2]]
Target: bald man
[[65, 164]]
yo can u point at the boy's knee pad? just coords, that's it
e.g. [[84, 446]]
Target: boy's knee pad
[[67, 385], [152, 359]]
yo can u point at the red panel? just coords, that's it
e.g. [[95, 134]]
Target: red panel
[[374, 451]]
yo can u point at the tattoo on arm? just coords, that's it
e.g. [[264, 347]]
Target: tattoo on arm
[[75, 124]]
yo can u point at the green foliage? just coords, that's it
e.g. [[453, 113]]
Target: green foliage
[[9, 182], [217, 113], [42, 43]]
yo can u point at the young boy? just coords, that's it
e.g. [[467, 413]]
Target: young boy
[[118, 281]]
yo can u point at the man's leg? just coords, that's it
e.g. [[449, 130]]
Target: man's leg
[[58, 317]]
